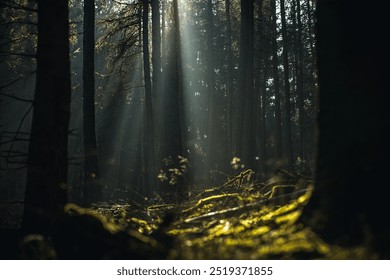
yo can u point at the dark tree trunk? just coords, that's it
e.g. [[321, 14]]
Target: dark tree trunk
[[313, 54], [229, 82], [157, 83], [263, 151], [311, 30], [156, 46], [275, 64], [163, 34], [173, 93], [90, 189], [244, 114], [287, 99], [149, 149], [299, 78], [215, 157], [249, 142], [46, 189], [262, 94], [348, 205]]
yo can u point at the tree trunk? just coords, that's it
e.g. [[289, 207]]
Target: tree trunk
[[156, 46], [90, 190], [149, 149], [249, 142], [300, 88], [286, 76], [313, 54], [229, 82], [173, 93], [46, 188], [163, 34], [348, 205], [262, 95], [244, 113], [215, 151], [275, 64], [263, 119]]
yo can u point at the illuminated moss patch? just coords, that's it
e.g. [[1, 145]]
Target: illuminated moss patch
[[238, 220]]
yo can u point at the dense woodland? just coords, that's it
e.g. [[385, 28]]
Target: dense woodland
[[150, 123]]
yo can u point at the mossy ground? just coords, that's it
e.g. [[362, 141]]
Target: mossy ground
[[238, 220]]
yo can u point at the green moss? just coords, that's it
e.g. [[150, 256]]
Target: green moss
[[239, 220]]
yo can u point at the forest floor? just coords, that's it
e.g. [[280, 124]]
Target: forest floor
[[241, 219]]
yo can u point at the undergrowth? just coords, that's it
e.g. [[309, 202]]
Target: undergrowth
[[241, 219]]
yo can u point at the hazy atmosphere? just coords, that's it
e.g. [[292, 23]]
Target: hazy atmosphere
[[189, 129]]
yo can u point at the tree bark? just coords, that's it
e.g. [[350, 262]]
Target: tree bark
[[215, 157], [46, 188], [278, 113], [163, 34], [229, 82], [90, 190], [287, 99], [300, 85], [348, 206], [173, 139], [262, 86], [248, 154], [149, 150], [156, 46], [244, 114]]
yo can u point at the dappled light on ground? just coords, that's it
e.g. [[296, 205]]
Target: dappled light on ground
[[241, 219]]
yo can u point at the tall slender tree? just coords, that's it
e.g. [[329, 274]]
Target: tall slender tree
[[149, 148], [46, 189], [244, 111], [248, 153], [229, 78], [287, 93], [163, 32], [299, 79], [276, 83], [313, 53], [173, 92], [261, 91], [90, 190], [156, 46], [214, 151]]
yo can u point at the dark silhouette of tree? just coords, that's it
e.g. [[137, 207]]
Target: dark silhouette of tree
[[248, 153], [215, 152], [287, 94], [149, 148], [173, 115], [276, 85], [299, 78], [312, 57], [348, 206], [244, 110], [261, 90], [156, 78], [90, 189], [229, 78], [46, 189], [156, 46], [163, 33]]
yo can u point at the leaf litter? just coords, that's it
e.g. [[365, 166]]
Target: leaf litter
[[242, 219]]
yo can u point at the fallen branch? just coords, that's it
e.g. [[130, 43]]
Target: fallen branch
[[249, 206]]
